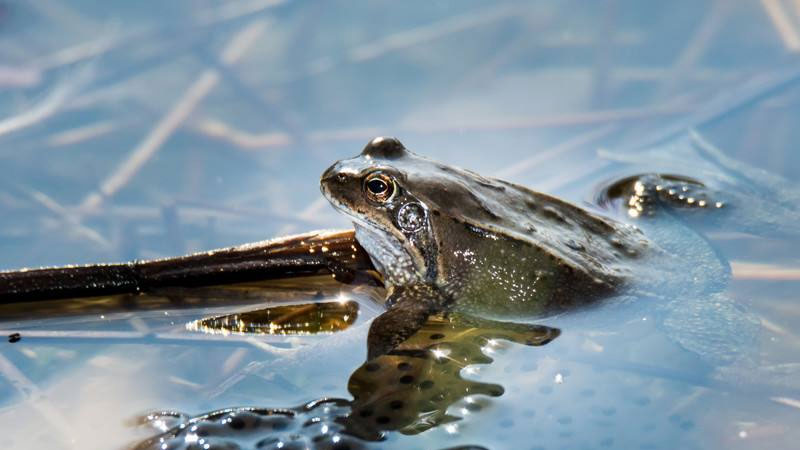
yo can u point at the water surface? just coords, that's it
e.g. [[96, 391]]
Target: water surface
[[147, 130]]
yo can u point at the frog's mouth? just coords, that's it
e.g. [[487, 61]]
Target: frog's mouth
[[398, 264], [388, 255]]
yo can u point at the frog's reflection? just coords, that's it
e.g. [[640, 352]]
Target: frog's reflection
[[307, 318], [407, 390], [410, 388]]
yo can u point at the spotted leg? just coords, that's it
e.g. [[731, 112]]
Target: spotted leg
[[409, 309]]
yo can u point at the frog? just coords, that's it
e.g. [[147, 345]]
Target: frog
[[449, 239], [467, 261]]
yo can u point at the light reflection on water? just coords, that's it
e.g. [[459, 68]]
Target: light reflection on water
[[529, 91]]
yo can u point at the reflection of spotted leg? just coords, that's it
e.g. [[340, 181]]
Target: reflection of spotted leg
[[410, 388]]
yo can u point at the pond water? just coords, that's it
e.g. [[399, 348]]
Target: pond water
[[152, 129]]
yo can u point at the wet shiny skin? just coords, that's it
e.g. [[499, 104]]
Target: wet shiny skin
[[486, 246]]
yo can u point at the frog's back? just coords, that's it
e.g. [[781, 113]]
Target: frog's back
[[484, 241], [586, 242]]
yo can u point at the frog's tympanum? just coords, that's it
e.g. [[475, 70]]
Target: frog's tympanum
[[449, 239]]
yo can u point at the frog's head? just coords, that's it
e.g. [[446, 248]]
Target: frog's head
[[392, 224]]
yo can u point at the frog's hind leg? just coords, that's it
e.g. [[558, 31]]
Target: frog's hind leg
[[663, 206], [413, 307], [409, 309], [644, 195], [752, 199]]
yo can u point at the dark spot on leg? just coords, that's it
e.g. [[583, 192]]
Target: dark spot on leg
[[365, 413], [437, 398], [280, 425], [427, 384], [553, 214], [383, 420], [404, 366], [236, 423], [396, 404], [372, 367], [406, 379], [437, 336]]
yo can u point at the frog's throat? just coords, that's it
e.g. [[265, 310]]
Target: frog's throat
[[396, 263]]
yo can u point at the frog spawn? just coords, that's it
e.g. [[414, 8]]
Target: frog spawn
[[313, 425]]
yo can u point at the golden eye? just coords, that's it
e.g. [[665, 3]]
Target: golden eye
[[379, 187]]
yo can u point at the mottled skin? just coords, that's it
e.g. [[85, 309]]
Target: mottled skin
[[449, 239]]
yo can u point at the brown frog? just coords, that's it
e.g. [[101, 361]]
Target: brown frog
[[459, 254], [446, 239]]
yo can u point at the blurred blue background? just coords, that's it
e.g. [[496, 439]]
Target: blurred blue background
[[136, 130], [148, 129]]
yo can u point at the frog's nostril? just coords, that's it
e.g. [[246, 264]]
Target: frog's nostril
[[330, 174], [341, 178]]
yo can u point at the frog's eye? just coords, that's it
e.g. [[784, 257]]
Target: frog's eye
[[379, 187]]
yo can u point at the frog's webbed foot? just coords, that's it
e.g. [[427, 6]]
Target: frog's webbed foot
[[643, 195], [409, 309]]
